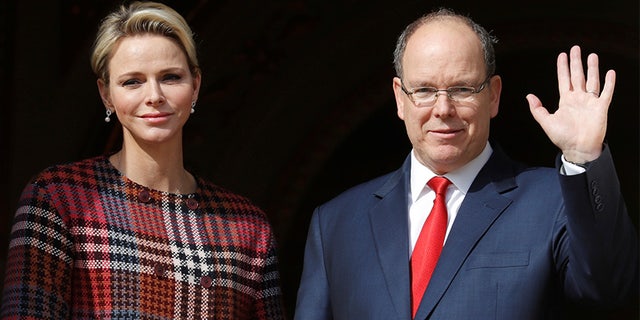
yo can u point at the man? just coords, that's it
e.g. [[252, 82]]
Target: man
[[520, 243]]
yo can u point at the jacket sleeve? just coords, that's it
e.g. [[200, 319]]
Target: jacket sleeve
[[37, 283], [313, 294], [269, 305], [601, 264]]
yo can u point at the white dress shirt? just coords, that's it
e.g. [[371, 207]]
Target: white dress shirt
[[421, 197]]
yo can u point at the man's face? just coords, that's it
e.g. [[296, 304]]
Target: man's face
[[447, 134]]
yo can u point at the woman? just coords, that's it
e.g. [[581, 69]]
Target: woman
[[134, 235]]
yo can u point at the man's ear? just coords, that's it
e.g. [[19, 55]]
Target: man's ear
[[495, 86], [399, 95]]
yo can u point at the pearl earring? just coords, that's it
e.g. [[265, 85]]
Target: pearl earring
[[193, 107], [108, 117]]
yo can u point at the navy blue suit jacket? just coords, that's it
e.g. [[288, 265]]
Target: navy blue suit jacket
[[524, 240]]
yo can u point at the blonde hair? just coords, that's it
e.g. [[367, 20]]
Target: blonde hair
[[141, 18]]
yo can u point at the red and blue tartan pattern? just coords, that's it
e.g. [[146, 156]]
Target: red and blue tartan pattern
[[88, 243]]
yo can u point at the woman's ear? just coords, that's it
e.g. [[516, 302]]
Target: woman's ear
[[197, 80], [103, 88]]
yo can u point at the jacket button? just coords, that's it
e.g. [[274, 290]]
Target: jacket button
[[144, 196], [206, 282], [159, 269], [192, 203], [597, 199]]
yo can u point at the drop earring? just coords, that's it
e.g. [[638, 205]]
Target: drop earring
[[193, 107], [108, 117]]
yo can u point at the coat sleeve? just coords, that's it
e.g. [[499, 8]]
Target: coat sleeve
[[313, 294], [37, 283], [601, 261], [269, 305]]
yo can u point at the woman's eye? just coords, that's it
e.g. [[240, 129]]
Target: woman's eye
[[130, 82], [171, 77]]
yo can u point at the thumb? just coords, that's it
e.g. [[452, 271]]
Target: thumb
[[538, 111]]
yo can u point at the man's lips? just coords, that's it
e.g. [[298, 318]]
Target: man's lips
[[445, 131], [445, 134]]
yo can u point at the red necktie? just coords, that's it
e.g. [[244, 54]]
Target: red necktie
[[429, 245]]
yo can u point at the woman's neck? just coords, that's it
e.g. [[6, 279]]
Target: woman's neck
[[155, 169]]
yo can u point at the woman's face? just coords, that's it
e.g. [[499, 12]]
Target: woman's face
[[150, 88]]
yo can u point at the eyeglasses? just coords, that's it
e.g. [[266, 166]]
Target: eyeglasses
[[427, 96]]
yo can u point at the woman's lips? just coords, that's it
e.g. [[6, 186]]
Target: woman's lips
[[156, 117]]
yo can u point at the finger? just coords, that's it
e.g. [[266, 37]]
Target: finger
[[593, 75], [609, 85], [564, 76], [577, 72]]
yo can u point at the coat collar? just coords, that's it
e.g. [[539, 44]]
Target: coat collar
[[389, 225]]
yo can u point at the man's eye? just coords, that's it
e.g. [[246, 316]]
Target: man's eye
[[461, 90], [426, 90]]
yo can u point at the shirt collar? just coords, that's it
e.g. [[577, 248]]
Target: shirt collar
[[461, 178]]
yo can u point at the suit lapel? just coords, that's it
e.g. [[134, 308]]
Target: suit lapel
[[390, 233], [482, 205]]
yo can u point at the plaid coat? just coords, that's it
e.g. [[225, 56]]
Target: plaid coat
[[88, 243]]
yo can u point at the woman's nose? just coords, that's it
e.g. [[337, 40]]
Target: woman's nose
[[155, 96]]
